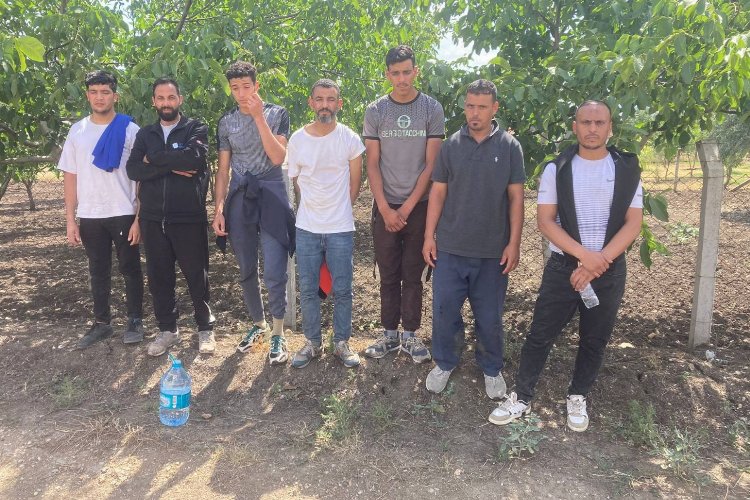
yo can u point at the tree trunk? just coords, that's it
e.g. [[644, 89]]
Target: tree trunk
[[5, 177], [676, 171], [28, 184]]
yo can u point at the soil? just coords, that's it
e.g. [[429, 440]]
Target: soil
[[84, 424]]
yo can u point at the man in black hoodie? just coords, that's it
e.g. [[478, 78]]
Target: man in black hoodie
[[168, 160]]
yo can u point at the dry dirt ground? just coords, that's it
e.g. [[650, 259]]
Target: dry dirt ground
[[83, 424]]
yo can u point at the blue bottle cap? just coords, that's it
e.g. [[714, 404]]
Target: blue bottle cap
[[176, 363]]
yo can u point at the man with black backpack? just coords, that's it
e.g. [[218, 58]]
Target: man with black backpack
[[168, 160]]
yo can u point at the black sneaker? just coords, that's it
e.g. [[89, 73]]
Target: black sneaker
[[383, 346], [133, 332], [97, 332]]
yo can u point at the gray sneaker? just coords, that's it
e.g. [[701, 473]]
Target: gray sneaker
[[495, 386], [414, 347], [383, 346], [345, 354], [133, 331], [162, 342], [437, 379], [309, 352], [206, 342], [509, 410], [578, 417], [97, 332]]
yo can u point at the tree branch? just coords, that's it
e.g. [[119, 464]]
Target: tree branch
[[23, 160], [185, 13], [5, 128]]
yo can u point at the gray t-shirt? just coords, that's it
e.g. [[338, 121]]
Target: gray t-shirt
[[238, 133], [403, 130], [474, 221]]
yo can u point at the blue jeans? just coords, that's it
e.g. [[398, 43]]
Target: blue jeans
[[457, 278], [244, 237], [337, 249], [555, 307]]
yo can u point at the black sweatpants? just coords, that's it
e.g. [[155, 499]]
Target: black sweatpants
[[97, 236], [187, 245]]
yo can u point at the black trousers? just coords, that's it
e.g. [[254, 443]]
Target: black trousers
[[187, 245], [97, 236], [554, 309]]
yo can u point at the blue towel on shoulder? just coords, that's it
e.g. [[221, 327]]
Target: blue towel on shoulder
[[108, 150]]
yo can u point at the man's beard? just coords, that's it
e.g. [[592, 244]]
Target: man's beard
[[326, 118], [168, 114]]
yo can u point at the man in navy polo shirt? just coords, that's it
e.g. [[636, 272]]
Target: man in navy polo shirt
[[473, 237]]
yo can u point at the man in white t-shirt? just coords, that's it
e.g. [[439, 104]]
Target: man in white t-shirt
[[590, 207], [97, 190], [325, 161]]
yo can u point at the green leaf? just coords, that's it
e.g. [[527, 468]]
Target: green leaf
[[687, 72], [680, 45], [658, 207], [30, 47], [645, 254]]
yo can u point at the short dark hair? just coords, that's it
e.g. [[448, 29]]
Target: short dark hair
[[593, 102], [326, 83], [165, 80], [482, 87], [241, 69], [100, 77], [400, 54]]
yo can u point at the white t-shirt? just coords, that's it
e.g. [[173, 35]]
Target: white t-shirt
[[321, 165], [593, 190], [101, 194]]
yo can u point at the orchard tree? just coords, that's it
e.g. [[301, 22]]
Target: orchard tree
[[48, 46], [668, 69]]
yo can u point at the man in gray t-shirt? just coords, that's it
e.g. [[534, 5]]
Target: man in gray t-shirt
[[403, 131], [253, 207], [473, 237]]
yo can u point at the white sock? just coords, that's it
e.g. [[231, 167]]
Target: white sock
[[278, 327]]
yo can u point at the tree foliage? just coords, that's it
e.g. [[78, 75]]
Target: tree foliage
[[668, 68], [48, 46]]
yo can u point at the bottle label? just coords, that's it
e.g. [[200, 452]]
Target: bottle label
[[174, 401]]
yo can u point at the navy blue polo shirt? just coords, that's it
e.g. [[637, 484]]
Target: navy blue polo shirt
[[474, 221]]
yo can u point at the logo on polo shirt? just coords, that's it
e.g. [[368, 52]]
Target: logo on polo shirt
[[403, 121]]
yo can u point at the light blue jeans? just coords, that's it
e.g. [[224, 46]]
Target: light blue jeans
[[337, 250]]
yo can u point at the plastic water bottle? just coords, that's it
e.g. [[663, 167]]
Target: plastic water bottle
[[174, 398], [589, 297]]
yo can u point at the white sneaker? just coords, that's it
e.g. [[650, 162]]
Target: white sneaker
[[509, 410], [578, 418], [495, 386], [162, 342], [206, 342], [437, 379]]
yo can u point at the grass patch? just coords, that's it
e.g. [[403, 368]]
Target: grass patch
[[678, 449], [382, 413], [68, 391], [739, 436], [683, 233], [523, 439], [640, 427], [339, 419]]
